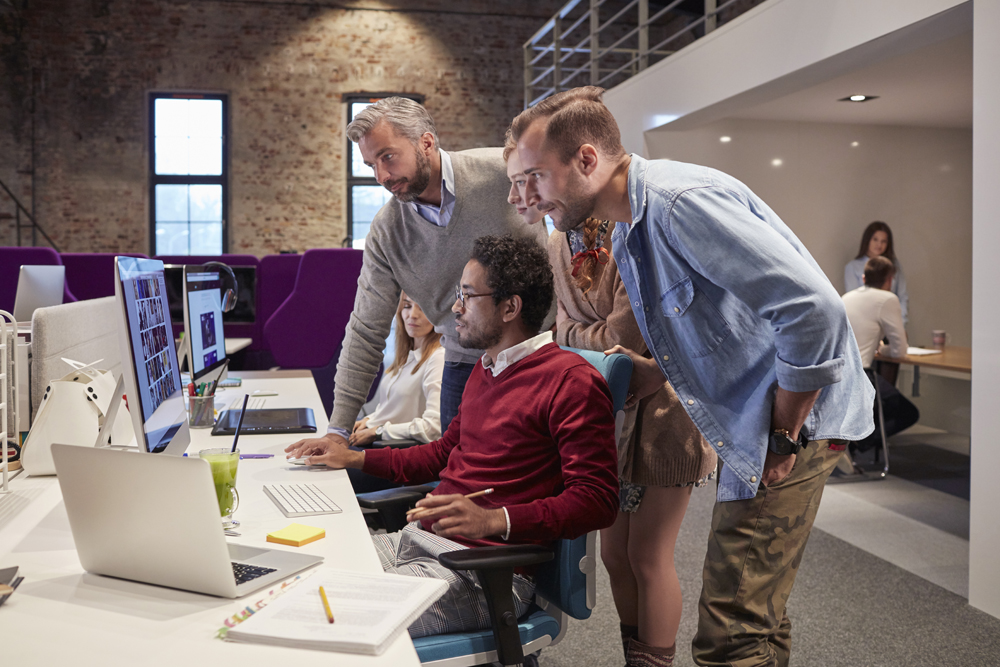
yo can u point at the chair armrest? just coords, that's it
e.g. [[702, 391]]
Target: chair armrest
[[393, 444], [489, 558], [380, 500]]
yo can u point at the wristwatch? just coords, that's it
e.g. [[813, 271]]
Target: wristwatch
[[379, 431], [780, 442]]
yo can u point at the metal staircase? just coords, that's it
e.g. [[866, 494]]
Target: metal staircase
[[22, 213]]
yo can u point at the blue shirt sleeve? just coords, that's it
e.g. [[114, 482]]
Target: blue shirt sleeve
[[723, 237]]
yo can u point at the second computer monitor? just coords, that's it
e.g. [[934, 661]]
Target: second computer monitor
[[206, 341]]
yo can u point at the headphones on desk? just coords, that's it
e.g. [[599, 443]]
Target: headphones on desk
[[228, 287]]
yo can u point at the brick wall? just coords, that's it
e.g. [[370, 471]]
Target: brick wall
[[284, 65]]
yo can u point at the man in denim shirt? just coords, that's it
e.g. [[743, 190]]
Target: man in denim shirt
[[753, 337]]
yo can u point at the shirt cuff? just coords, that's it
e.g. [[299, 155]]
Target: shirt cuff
[[809, 378], [506, 536], [342, 432]]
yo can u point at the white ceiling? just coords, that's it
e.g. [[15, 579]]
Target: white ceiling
[[929, 87]]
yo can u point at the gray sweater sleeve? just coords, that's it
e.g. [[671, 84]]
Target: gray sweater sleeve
[[364, 339]]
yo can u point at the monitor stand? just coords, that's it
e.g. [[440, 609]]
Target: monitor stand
[[104, 437]]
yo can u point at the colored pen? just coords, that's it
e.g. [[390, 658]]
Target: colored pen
[[256, 456], [418, 512], [191, 390], [326, 605], [225, 365]]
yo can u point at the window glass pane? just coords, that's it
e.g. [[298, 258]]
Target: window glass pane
[[188, 136], [206, 118], [171, 203], [206, 203], [366, 201], [171, 117], [358, 167], [171, 155], [172, 238], [206, 238]]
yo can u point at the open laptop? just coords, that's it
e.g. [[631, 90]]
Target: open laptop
[[38, 287], [155, 519]]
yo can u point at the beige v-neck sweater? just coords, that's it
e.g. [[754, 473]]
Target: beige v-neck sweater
[[660, 445], [403, 251]]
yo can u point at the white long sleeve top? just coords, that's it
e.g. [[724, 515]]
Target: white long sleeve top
[[875, 314], [409, 405]]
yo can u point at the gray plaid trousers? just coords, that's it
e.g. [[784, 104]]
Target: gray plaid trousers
[[414, 552]]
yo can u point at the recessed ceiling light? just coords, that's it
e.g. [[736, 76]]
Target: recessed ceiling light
[[854, 144], [858, 98], [725, 140], [777, 162]]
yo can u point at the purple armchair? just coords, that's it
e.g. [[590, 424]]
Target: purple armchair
[[91, 275], [11, 260], [306, 331]]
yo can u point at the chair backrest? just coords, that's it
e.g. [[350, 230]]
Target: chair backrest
[[569, 581], [11, 260], [307, 329], [91, 275], [275, 281]]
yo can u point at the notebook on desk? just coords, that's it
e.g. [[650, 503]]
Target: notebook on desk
[[259, 422], [155, 519]]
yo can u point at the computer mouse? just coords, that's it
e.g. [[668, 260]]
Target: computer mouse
[[304, 461]]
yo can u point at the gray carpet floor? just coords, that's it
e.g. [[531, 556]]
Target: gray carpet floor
[[849, 608]]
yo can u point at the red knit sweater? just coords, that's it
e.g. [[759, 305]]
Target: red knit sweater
[[541, 434]]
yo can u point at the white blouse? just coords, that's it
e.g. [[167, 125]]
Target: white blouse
[[409, 405]]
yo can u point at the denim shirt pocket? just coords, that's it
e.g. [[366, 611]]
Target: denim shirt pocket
[[695, 320]]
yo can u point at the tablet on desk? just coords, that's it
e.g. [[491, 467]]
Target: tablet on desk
[[261, 422]]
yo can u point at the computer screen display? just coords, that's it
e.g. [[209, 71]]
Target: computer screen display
[[203, 320], [245, 311], [149, 360]]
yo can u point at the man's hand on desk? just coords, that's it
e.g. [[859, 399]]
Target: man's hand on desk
[[331, 450], [457, 515]]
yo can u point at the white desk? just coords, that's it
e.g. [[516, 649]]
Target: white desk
[[234, 345], [61, 615]]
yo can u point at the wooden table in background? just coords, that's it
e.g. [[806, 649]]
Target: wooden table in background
[[953, 362]]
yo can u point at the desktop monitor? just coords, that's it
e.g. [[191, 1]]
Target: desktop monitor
[[245, 311], [150, 373], [205, 340], [38, 287]]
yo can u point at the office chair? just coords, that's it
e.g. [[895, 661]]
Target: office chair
[[565, 576]]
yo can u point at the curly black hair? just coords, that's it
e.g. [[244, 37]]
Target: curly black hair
[[521, 267]]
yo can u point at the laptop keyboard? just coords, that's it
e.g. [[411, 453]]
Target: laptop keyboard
[[300, 499], [245, 573]]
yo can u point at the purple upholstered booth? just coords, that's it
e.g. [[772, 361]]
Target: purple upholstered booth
[[91, 275], [233, 330], [307, 329], [11, 260], [275, 280]]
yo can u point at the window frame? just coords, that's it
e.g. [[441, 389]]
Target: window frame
[[348, 99], [188, 179]]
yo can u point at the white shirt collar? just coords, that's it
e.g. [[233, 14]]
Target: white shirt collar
[[514, 354]]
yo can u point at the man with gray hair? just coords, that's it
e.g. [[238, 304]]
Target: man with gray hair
[[418, 243]]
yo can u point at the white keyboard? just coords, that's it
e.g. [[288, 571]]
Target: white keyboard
[[252, 404], [300, 500]]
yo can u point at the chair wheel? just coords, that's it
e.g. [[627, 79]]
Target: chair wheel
[[530, 660]]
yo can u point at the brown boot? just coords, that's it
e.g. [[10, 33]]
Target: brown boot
[[640, 655], [629, 633]]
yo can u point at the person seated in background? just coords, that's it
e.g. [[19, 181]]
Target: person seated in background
[[875, 313], [876, 241], [409, 394], [535, 425]]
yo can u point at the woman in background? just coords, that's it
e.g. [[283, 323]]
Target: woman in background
[[409, 395], [876, 242], [661, 454]]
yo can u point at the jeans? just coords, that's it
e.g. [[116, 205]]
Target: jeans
[[453, 380]]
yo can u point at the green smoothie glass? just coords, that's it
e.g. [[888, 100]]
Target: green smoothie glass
[[223, 463]]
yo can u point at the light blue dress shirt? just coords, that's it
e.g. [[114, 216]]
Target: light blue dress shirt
[[732, 305], [854, 277], [440, 215]]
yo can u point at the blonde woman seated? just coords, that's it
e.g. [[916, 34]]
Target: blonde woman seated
[[409, 395]]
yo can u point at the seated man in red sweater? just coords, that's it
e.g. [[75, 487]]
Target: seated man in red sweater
[[535, 425]]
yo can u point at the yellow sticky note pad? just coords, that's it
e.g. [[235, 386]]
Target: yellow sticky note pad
[[296, 535]]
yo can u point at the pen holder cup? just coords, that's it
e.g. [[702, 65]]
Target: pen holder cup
[[201, 411]]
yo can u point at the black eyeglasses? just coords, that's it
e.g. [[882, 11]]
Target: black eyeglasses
[[462, 296]]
